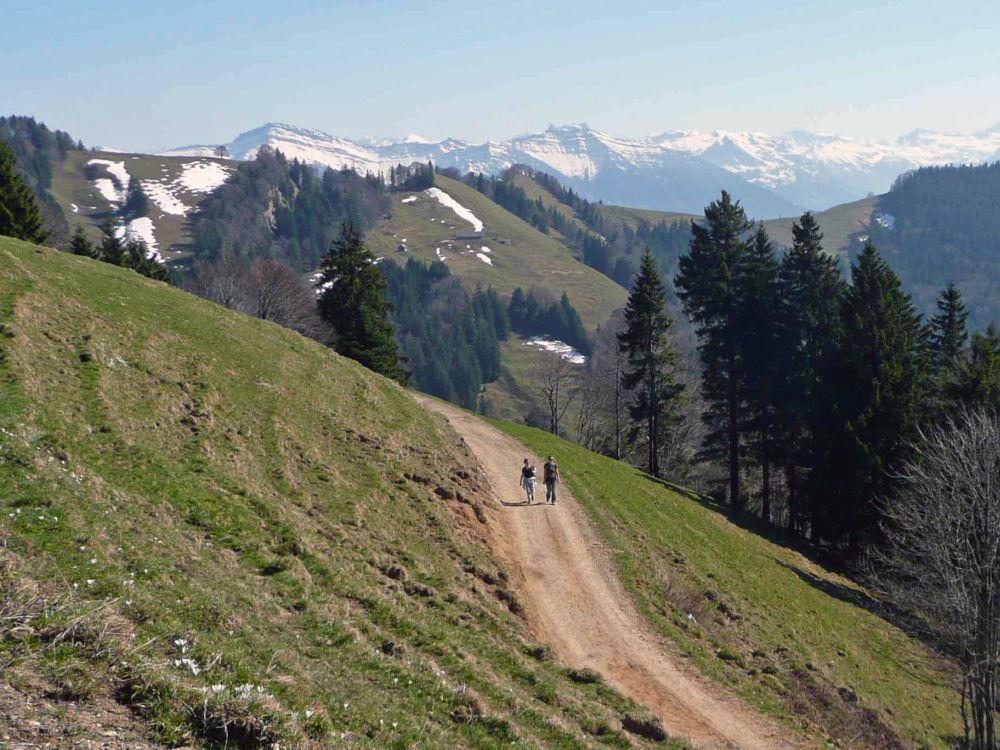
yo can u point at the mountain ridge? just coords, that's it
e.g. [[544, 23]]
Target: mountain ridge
[[679, 170]]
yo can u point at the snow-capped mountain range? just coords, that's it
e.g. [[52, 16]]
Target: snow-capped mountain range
[[675, 170]]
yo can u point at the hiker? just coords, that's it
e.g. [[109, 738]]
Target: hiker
[[551, 480], [528, 480]]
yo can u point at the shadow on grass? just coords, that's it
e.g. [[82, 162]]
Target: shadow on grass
[[836, 590]]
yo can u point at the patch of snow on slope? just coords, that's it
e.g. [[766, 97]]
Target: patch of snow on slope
[[202, 176], [484, 258], [485, 249], [116, 192], [564, 350], [141, 229], [107, 189], [461, 211], [76, 208], [411, 199], [162, 195]]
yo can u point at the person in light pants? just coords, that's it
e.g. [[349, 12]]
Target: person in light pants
[[528, 480]]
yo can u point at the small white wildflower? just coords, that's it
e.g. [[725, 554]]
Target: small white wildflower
[[90, 581], [93, 561], [309, 713]]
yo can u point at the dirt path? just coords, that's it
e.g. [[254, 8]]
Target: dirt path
[[576, 605]]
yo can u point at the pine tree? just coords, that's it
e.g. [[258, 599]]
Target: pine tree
[[977, 381], [811, 290], [709, 286], [650, 360], [877, 391], [80, 244], [19, 213], [354, 304], [762, 364], [136, 202], [947, 329]]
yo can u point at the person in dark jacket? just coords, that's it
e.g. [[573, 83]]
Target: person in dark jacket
[[551, 476]]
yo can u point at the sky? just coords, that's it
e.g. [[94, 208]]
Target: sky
[[147, 75]]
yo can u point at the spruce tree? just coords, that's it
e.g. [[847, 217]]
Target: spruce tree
[[811, 290], [763, 367], [80, 244], [19, 213], [353, 303], [709, 286], [947, 328], [651, 358], [877, 390], [977, 381]]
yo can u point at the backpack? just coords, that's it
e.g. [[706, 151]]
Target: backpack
[[550, 471]]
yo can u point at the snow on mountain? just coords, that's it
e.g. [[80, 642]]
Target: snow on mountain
[[678, 170]]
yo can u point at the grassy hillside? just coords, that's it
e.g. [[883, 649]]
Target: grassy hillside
[[791, 636], [71, 187], [521, 255], [242, 537], [838, 223]]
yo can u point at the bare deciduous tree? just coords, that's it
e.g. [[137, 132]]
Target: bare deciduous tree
[[559, 387], [942, 557]]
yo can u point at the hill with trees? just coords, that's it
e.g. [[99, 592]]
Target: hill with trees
[[941, 224]]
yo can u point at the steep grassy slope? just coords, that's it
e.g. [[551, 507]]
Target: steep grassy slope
[[521, 255], [72, 187], [245, 538], [794, 638]]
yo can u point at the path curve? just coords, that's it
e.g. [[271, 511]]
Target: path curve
[[576, 604]]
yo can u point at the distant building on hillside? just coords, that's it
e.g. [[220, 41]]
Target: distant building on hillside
[[469, 236]]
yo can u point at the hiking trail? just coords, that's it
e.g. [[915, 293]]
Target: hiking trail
[[565, 579]]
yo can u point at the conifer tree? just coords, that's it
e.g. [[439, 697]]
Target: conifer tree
[[649, 375], [947, 328], [19, 213], [353, 303], [811, 289], [977, 381], [762, 364], [709, 286], [877, 391], [80, 244]]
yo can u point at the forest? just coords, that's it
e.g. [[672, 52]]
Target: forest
[[941, 224], [276, 208]]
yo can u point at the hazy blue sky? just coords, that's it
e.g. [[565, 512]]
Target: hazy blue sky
[[149, 74]]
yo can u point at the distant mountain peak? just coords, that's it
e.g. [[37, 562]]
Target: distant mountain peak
[[675, 169]]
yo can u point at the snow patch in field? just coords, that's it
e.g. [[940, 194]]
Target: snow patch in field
[[440, 255], [484, 258], [485, 249], [564, 350], [202, 176], [115, 193], [461, 211], [76, 208], [411, 199], [141, 229], [108, 190], [161, 194]]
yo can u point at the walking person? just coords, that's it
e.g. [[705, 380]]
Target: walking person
[[551, 480], [528, 480]]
